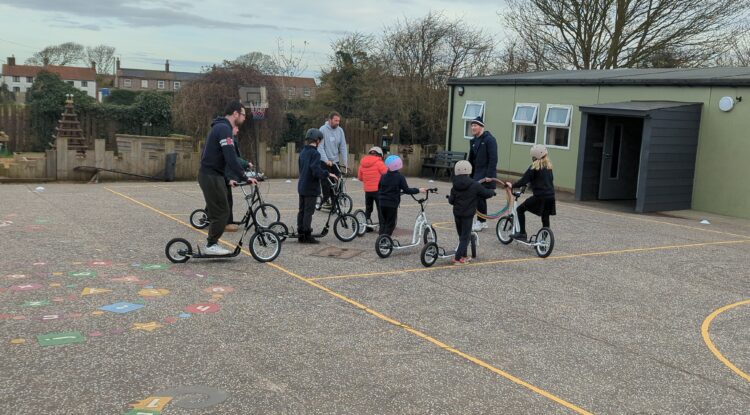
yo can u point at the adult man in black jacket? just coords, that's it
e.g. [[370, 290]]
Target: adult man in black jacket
[[219, 159], [311, 173], [483, 158]]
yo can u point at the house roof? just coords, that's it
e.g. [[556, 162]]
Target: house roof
[[295, 82], [159, 75], [653, 77], [71, 73]]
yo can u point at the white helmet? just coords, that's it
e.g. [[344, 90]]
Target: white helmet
[[377, 150], [538, 151]]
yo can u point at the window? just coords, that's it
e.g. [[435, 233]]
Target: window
[[557, 123], [16, 79], [127, 83], [71, 83], [291, 92], [306, 92], [144, 83], [160, 84], [84, 84], [524, 123], [472, 109], [177, 84], [16, 89], [30, 79]]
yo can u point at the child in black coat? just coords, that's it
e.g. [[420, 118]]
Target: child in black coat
[[542, 203], [391, 185], [465, 196]]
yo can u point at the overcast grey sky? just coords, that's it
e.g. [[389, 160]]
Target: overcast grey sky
[[196, 34]]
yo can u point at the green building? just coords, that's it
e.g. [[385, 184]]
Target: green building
[[667, 139]]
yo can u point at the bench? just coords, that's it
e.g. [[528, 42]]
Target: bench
[[443, 160]]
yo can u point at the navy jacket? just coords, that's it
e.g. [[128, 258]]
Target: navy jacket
[[541, 182], [219, 154], [390, 188], [483, 158], [310, 172], [465, 195]]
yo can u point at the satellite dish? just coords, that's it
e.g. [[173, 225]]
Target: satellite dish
[[726, 104]]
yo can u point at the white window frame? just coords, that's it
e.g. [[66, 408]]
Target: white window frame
[[467, 120], [16, 79], [516, 123], [16, 89], [84, 84], [29, 79], [176, 85], [568, 125], [306, 92], [160, 84], [127, 83], [144, 83]]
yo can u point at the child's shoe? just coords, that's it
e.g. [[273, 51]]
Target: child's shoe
[[460, 261], [519, 236]]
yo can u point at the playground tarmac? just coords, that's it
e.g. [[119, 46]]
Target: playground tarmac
[[631, 314]]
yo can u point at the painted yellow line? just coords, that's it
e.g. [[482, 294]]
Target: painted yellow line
[[390, 320], [645, 219], [712, 347], [530, 259]]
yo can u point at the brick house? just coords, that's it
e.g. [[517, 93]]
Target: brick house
[[292, 87], [145, 79], [19, 78]]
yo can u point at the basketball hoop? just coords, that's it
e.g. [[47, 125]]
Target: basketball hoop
[[258, 111]]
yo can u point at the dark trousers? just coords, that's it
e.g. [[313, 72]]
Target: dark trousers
[[482, 203], [231, 205], [388, 220], [463, 228], [326, 187], [305, 214], [214, 190], [521, 210], [370, 199]]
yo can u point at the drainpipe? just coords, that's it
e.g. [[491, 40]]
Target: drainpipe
[[450, 118]]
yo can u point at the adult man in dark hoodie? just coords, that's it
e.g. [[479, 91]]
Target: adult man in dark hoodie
[[219, 159], [483, 159], [311, 173]]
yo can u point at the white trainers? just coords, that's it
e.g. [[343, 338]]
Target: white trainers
[[484, 225], [216, 249], [477, 227]]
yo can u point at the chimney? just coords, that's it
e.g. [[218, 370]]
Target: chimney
[[93, 65], [166, 66], [117, 64], [12, 61]]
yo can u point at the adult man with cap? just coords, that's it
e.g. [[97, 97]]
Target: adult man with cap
[[483, 158]]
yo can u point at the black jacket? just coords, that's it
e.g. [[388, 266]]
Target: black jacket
[[219, 154], [390, 188], [483, 157], [310, 172], [541, 181], [465, 195]]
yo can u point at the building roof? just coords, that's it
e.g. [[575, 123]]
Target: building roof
[[635, 107], [70, 73], [653, 77], [160, 75], [295, 82]]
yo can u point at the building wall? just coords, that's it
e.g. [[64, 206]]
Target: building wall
[[153, 84], [723, 147], [23, 85]]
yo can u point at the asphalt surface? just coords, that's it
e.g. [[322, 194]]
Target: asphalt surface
[[631, 314]]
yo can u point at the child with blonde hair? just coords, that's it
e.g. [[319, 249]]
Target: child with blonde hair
[[539, 176]]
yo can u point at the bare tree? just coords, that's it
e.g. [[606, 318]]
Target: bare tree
[[604, 34], [265, 64], [290, 60], [62, 54], [104, 56]]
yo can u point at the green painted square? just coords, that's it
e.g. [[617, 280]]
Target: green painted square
[[142, 412], [41, 303], [82, 274], [58, 339], [153, 267]]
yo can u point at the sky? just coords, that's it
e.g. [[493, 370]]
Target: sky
[[193, 35]]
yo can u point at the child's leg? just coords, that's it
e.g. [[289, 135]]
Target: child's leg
[[369, 200], [377, 206], [521, 210], [463, 227], [309, 209], [545, 220], [389, 220]]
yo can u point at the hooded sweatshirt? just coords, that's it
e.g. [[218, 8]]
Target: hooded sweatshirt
[[219, 154], [333, 146], [370, 169], [465, 195]]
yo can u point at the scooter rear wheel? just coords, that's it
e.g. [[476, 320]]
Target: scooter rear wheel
[[429, 254], [199, 219], [384, 246], [545, 241], [362, 220], [280, 229], [178, 250]]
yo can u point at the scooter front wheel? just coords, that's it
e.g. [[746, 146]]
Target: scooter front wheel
[[178, 250], [346, 228], [504, 230], [265, 245], [429, 254]]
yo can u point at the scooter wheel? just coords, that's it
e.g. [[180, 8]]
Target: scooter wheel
[[384, 246], [362, 220], [280, 229], [199, 219], [429, 254], [265, 245], [545, 241], [178, 250]]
